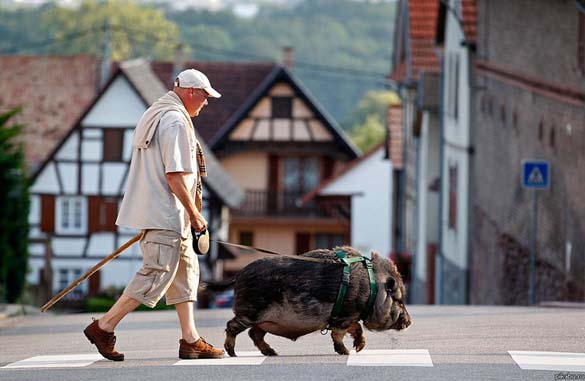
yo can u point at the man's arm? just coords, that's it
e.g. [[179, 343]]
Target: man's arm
[[178, 185]]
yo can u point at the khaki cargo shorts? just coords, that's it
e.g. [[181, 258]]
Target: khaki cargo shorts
[[170, 267]]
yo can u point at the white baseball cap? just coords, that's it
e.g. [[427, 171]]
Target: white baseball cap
[[192, 78]]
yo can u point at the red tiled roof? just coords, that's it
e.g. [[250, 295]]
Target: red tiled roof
[[423, 28], [422, 23], [236, 81], [53, 92], [394, 147], [469, 16]]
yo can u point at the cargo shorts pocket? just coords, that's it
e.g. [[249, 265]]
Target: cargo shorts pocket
[[158, 253]]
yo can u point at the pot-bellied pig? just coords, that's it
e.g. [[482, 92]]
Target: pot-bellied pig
[[290, 297]]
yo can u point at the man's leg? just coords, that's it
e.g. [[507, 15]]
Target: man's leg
[[101, 332], [123, 306], [188, 330]]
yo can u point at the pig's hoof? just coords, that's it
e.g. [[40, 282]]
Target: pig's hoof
[[269, 352], [230, 351], [341, 349], [359, 345]]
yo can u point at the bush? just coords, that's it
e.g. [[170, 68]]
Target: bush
[[103, 304]]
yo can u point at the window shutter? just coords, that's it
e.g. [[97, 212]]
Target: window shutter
[[113, 144], [48, 213]]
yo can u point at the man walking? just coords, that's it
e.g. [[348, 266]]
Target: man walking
[[163, 199]]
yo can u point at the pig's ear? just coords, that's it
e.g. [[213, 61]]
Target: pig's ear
[[390, 284]]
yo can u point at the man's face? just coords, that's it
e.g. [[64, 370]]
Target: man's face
[[196, 99]]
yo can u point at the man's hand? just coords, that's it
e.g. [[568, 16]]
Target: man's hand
[[198, 222]]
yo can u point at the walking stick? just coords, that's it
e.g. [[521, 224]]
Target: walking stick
[[90, 272]]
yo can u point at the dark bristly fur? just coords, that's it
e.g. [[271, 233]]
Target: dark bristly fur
[[291, 298]]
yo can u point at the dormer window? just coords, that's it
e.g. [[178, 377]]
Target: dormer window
[[282, 107]]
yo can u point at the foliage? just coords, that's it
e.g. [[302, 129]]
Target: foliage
[[14, 199], [324, 34], [103, 304], [135, 30], [367, 124]]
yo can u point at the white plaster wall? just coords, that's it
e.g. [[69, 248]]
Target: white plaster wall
[[68, 150], [101, 244], [68, 172], [119, 106], [371, 211], [68, 246], [34, 213], [457, 138], [128, 137], [90, 179], [112, 177], [46, 182], [91, 150]]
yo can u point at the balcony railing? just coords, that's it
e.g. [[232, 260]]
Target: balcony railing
[[287, 203]]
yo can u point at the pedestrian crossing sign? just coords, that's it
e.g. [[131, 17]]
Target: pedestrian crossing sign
[[535, 174]]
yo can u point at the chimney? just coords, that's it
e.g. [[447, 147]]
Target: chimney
[[179, 62], [106, 55], [288, 56]]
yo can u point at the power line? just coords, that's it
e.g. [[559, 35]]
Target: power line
[[47, 43], [347, 72]]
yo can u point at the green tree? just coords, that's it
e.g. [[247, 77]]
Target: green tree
[[136, 30], [367, 124], [14, 206]]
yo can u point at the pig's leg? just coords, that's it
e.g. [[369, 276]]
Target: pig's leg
[[233, 328], [359, 339], [257, 335], [337, 335]]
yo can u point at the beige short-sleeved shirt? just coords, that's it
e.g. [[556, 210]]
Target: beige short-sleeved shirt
[[148, 202]]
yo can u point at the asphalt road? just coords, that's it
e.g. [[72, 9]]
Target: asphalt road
[[444, 343]]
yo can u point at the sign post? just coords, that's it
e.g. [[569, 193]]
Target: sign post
[[535, 176]]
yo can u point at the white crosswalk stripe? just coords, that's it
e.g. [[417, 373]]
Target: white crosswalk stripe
[[244, 358], [558, 361], [56, 361], [392, 357]]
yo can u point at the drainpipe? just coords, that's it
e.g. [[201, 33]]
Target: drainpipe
[[439, 257]]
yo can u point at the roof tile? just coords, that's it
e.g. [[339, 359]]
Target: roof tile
[[53, 91]]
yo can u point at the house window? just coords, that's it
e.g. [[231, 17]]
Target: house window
[[329, 241], [246, 238], [113, 144], [71, 215], [301, 174], [453, 197], [66, 277], [281, 107], [581, 44]]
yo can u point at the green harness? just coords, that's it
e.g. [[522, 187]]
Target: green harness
[[345, 283]]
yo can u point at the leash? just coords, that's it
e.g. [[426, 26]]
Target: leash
[[298, 257]]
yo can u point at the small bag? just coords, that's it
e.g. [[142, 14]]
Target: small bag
[[201, 242]]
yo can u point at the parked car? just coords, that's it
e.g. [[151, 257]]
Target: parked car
[[223, 300]]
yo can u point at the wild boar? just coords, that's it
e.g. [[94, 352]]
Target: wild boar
[[291, 298]]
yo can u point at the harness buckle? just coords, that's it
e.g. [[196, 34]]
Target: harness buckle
[[345, 278]]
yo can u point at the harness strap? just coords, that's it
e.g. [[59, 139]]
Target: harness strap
[[345, 283]]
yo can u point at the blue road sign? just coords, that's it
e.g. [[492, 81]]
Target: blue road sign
[[535, 174]]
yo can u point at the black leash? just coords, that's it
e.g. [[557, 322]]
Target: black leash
[[301, 258]]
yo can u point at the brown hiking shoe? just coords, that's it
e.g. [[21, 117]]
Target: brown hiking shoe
[[104, 341], [198, 350]]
